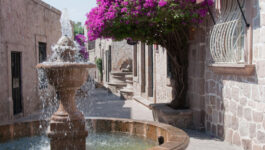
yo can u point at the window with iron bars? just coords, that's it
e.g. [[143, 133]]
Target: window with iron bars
[[227, 39]]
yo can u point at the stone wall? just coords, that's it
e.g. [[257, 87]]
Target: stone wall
[[232, 105], [120, 52], [164, 93], [162, 88], [24, 23], [196, 89]]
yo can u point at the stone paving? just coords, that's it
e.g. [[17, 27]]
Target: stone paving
[[103, 104]]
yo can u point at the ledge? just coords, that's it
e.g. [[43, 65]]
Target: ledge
[[236, 69], [142, 101], [117, 84], [47, 6]]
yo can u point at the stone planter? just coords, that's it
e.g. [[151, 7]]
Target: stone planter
[[178, 118]]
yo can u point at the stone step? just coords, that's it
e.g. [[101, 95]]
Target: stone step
[[142, 101]]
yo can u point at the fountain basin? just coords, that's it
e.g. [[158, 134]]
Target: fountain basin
[[174, 138], [66, 75]]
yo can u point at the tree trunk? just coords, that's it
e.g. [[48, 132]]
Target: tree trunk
[[178, 52]]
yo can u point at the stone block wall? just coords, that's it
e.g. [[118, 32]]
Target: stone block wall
[[233, 104], [24, 23]]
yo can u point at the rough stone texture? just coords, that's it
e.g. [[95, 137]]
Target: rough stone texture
[[234, 102], [24, 23], [196, 82]]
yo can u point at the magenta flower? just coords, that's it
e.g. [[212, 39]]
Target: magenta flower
[[125, 3], [81, 39], [120, 19], [124, 10], [162, 3]]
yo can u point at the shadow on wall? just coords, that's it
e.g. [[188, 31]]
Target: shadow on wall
[[228, 102]]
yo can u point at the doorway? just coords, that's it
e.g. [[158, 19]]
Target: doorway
[[16, 82]]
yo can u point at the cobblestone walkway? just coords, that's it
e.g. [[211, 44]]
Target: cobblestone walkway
[[103, 104]]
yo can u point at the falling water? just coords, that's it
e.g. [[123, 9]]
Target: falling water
[[66, 26], [46, 92]]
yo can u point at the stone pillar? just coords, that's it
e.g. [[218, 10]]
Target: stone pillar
[[149, 71], [142, 70], [135, 60]]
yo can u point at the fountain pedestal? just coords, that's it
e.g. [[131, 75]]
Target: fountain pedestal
[[67, 125]]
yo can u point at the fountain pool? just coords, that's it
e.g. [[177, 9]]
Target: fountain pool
[[99, 141], [103, 133]]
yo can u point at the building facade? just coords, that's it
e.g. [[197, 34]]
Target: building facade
[[28, 29], [151, 74], [113, 55], [233, 95]]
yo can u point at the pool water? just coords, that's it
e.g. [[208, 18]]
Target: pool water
[[93, 142]]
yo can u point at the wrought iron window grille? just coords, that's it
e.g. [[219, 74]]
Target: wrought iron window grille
[[241, 10], [228, 34]]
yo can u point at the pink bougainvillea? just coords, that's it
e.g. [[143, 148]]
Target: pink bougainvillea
[[120, 19], [81, 39]]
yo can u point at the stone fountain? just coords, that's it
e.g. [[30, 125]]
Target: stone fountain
[[67, 125]]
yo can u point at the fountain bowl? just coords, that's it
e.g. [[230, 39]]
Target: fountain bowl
[[66, 75]]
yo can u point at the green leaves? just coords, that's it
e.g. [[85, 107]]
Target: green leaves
[[99, 66]]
